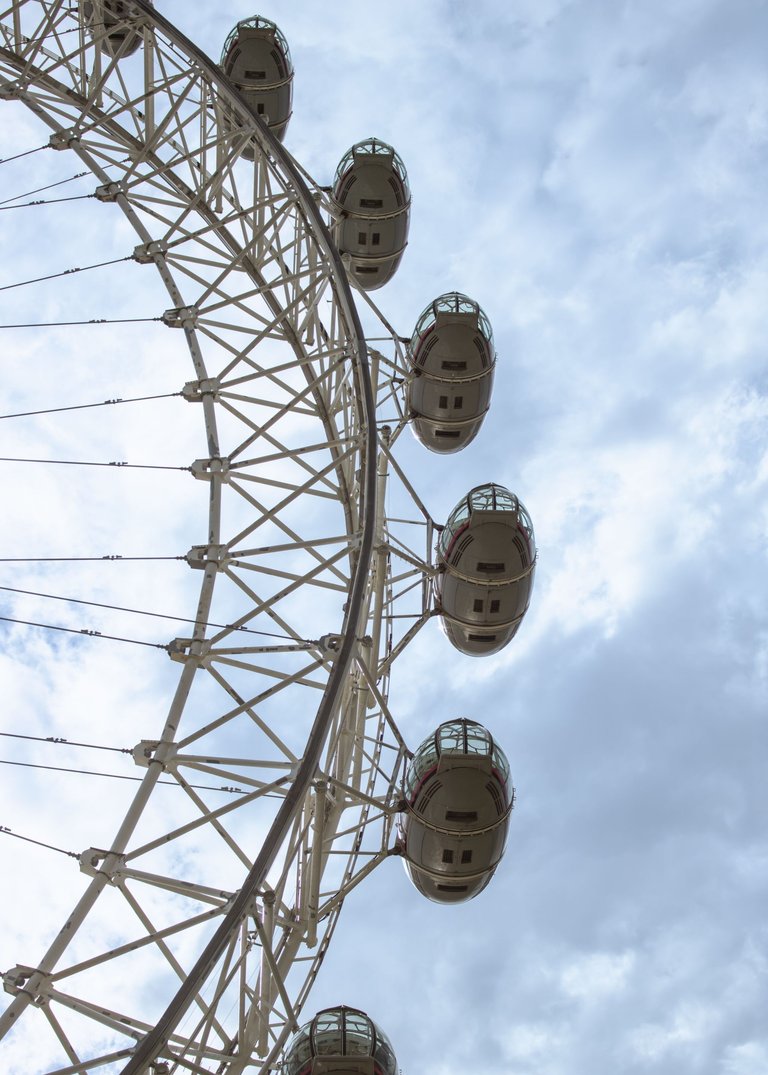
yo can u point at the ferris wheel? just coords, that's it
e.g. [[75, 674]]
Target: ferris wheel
[[308, 591]]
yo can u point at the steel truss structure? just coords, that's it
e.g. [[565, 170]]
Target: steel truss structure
[[227, 938]]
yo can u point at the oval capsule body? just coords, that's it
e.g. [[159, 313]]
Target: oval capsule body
[[458, 797], [452, 359], [340, 1040], [372, 202], [486, 559], [257, 59], [111, 24]]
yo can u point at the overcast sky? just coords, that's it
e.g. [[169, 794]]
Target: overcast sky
[[593, 173]]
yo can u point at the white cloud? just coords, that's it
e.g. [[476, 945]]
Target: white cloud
[[598, 976], [594, 176]]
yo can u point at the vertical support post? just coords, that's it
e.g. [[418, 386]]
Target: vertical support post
[[259, 194], [380, 558], [98, 34], [426, 582], [365, 698], [149, 85], [265, 976], [316, 862]]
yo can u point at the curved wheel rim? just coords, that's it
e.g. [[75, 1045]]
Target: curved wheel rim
[[329, 354]]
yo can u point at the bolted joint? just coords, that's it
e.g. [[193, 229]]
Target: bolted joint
[[181, 317], [148, 750], [145, 253], [330, 643], [144, 751], [92, 862], [195, 391], [205, 469], [199, 556], [64, 139], [186, 649], [108, 192], [15, 979], [11, 91]]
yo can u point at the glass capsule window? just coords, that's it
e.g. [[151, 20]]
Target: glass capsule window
[[339, 1032], [454, 737], [372, 147], [484, 498], [422, 761], [258, 23], [328, 1034], [358, 1035], [300, 1052], [453, 302]]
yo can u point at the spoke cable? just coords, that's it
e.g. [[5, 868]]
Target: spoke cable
[[86, 631], [90, 463], [86, 406], [59, 182], [57, 740], [46, 201], [230, 789], [28, 839], [26, 153], [90, 321], [48, 186], [78, 559], [155, 615], [67, 272]]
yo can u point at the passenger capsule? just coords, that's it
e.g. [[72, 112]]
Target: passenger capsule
[[486, 557], [112, 24], [459, 797], [452, 359], [340, 1041], [372, 203], [257, 59]]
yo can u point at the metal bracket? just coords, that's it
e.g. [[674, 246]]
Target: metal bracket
[[180, 649], [330, 643], [205, 469], [199, 556], [63, 139], [108, 192], [92, 862], [181, 317], [145, 253], [195, 391]]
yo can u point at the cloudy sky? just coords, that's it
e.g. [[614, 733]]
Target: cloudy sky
[[593, 174]]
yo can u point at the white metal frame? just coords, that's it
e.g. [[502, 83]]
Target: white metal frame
[[298, 544]]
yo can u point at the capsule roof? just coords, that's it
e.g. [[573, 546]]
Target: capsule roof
[[452, 302], [340, 1032], [455, 738], [485, 498], [373, 147], [258, 22]]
